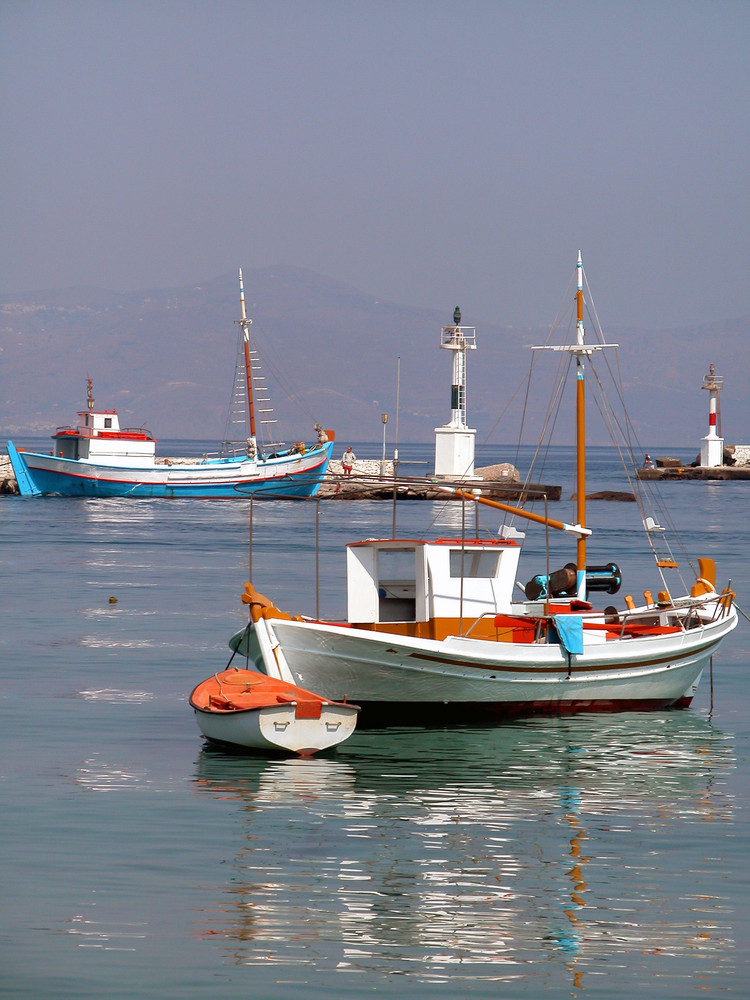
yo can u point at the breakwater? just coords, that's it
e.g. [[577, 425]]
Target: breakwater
[[736, 465], [8, 484], [692, 472], [500, 482]]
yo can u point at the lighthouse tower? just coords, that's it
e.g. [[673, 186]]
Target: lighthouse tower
[[454, 442], [712, 446]]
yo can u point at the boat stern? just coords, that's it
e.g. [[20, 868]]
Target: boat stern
[[321, 469]]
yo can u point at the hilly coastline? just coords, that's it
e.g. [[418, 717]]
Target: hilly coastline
[[164, 358]]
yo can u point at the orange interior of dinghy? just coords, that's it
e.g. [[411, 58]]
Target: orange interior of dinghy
[[245, 690]]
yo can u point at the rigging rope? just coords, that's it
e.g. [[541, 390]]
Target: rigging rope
[[279, 368], [621, 431]]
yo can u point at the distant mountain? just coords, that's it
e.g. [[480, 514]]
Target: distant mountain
[[165, 358]]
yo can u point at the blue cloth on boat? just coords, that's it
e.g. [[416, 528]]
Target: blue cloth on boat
[[570, 632]]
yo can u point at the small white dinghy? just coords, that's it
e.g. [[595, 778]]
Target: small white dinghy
[[247, 709]]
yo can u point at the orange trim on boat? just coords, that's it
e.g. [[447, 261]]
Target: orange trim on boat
[[260, 605]]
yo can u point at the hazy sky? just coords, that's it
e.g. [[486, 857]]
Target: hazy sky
[[432, 152]]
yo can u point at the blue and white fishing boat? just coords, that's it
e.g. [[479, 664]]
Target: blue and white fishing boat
[[98, 458]]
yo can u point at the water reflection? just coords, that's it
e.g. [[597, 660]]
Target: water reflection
[[480, 853], [116, 512], [98, 775]]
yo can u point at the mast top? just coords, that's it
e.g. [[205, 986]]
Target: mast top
[[580, 337], [580, 348], [243, 321]]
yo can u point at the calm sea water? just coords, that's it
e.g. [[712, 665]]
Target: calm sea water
[[605, 854]]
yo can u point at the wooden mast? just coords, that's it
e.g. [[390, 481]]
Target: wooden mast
[[580, 350], [580, 437], [245, 324]]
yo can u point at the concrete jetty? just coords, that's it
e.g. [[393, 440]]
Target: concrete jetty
[[735, 464], [687, 473], [716, 461], [8, 484], [498, 482]]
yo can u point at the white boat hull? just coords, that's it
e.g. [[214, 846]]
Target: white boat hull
[[276, 728], [420, 679]]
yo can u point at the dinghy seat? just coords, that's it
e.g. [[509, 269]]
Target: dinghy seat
[[219, 701]]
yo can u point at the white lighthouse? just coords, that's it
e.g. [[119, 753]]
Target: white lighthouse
[[454, 442], [712, 446]]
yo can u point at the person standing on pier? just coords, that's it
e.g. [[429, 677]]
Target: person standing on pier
[[347, 461]]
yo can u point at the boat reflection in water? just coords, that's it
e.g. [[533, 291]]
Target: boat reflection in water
[[532, 851]]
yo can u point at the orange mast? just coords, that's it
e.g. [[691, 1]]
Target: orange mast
[[580, 436], [245, 324], [580, 350]]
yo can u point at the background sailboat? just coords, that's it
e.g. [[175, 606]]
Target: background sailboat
[[97, 458]]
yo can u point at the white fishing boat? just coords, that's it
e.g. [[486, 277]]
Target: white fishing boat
[[251, 711], [98, 458], [436, 630]]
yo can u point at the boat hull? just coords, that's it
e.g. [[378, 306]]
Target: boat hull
[[47, 475], [412, 681], [252, 712], [276, 729]]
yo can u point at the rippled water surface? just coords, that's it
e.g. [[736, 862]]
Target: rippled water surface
[[605, 854]]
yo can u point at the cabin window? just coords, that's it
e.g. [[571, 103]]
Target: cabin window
[[108, 421], [396, 585], [478, 565], [396, 564]]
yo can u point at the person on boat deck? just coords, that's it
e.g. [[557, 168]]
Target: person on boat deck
[[647, 463], [348, 460], [322, 436]]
